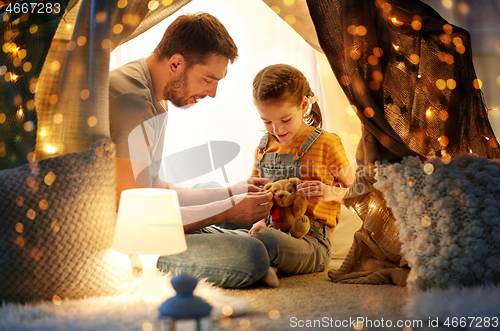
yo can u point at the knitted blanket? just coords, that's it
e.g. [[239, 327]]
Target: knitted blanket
[[448, 215]]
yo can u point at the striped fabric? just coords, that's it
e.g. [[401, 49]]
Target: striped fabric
[[324, 161]]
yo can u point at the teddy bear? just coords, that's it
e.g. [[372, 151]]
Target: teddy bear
[[288, 212]]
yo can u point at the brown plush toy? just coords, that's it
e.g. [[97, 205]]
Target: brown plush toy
[[289, 208]]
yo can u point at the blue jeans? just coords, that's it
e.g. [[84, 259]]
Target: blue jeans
[[228, 258], [297, 256]]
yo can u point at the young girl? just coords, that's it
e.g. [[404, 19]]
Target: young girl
[[295, 146]]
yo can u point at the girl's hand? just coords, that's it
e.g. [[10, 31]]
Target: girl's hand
[[313, 190], [256, 227], [317, 191]]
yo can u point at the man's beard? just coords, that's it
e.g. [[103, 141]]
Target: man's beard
[[176, 90]]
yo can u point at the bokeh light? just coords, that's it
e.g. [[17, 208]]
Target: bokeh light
[[426, 221], [448, 29], [358, 325], [428, 168], [53, 99], [31, 214], [56, 300], [227, 310], [49, 178], [451, 84], [84, 94], [153, 5], [43, 204], [106, 43], [369, 112], [19, 201], [244, 323], [100, 17], [440, 84], [54, 226], [122, 4], [58, 118], [443, 115], [443, 141], [117, 29], [19, 227], [92, 121], [274, 314], [411, 181], [82, 40]]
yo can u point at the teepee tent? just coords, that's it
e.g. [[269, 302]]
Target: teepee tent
[[406, 72]]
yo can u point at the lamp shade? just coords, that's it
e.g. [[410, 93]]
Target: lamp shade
[[149, 222]]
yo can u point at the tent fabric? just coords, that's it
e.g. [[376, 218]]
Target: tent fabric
[[409, 75], [72, 94], [296, 14], [25, 42]]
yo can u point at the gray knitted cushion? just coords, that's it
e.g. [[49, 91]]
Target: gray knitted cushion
[[57, 219], [449, 219]]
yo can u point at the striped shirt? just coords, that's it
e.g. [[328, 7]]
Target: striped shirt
[[323, 162]]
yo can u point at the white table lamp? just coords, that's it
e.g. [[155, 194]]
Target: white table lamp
[[149, 224]]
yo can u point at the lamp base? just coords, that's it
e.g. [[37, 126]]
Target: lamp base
[[150, 288]]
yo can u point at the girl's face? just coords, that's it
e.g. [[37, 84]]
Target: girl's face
[[283, 119]]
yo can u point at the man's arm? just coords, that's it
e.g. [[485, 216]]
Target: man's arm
[[247, 209], [202, 196], [125, 176]]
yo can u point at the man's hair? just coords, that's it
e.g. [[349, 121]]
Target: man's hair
[[195, 36]]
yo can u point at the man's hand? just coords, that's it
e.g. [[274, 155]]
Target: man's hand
[[252, 184], [258, 182], [250, 207]]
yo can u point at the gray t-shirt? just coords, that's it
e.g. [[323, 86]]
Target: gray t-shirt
[[137, 120]]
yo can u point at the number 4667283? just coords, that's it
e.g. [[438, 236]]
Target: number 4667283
[[33, 8]]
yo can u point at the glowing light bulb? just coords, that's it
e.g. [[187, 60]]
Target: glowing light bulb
[[20, 112], [428, 112], [395, 21], [50, 149]]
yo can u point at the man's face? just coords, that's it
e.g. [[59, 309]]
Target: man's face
[[196, 82]]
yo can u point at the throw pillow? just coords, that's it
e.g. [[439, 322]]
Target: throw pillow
[[448, 215], [57, 219]]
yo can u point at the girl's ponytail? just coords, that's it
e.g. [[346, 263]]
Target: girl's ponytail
[[313, 117]]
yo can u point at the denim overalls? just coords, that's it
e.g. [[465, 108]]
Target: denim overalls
[[276, 166]]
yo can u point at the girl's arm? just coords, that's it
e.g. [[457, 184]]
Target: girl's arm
[[318, 191]]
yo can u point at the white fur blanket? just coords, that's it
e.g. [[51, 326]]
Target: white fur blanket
[[471, 308], [122, 312]]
